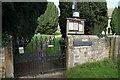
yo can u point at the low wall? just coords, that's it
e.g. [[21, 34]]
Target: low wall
[[81, 54]]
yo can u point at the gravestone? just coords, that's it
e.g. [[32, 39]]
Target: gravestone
[[38, 34]]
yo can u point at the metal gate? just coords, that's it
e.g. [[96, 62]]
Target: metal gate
[[38, 55]]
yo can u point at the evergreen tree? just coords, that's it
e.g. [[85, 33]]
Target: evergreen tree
[[20, 18], [95, 14], [119, 18], [48, 22], [65, 12], [115, 26]]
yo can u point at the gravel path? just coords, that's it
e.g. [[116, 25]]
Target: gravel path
[[59, 74]]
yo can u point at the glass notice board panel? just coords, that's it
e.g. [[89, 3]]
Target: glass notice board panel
[[75, 26], [80, 27], [71, 26]]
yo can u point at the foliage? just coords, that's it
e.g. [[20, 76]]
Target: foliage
[[20, 19], [56, 33], [5, 39], [95, 14], [102, 35], [112, 47], [48, 22], [115, 26], [99, 69], [65, 12]]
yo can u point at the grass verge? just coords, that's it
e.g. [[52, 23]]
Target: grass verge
[[100, 69]]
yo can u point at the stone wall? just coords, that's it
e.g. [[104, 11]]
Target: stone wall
[[82, 54], [2, 64], [9, 69]]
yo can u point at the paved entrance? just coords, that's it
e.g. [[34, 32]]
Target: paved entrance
[[59, 74]]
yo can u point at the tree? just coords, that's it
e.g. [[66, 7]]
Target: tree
[[119, 17], [20, 19], [115, 26], [95, 14], [48, 22], [65, 12]]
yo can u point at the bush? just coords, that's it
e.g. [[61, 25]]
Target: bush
[[56, 33]]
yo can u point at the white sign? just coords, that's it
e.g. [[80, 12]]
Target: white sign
[[75, 26], [38, 34], [75, 14], [80, 27], [21, 49], [70, 26]]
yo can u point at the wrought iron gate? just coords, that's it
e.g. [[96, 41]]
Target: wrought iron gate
[[39, 55]]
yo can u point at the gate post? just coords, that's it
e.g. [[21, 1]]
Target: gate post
[[8, 51]]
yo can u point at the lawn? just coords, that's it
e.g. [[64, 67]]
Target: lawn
[[100, 69], [32, 46], [56, 49], [55, 52]]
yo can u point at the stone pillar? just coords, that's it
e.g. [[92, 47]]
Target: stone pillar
[[9, 61], [117, 44], [69, 56]]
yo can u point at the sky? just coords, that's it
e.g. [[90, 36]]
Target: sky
[[110, 3]]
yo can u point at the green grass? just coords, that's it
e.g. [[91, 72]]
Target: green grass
[[56, 33], [56, 50], [31, 48], [100, 69]]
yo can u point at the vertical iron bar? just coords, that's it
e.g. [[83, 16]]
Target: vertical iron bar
[[42, 57], [32, 44], [54, 45], [14, 63], [46, 47], [36, 40], [65, 55], [50, 47]]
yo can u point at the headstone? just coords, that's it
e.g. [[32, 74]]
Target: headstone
[[103, 32], [38, 34]]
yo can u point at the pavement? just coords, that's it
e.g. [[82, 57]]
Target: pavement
[[59, 74]]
